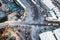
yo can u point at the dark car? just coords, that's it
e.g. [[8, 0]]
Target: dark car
[[3, 16]]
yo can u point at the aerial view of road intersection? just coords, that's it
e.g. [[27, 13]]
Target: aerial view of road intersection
[[29, 20]]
